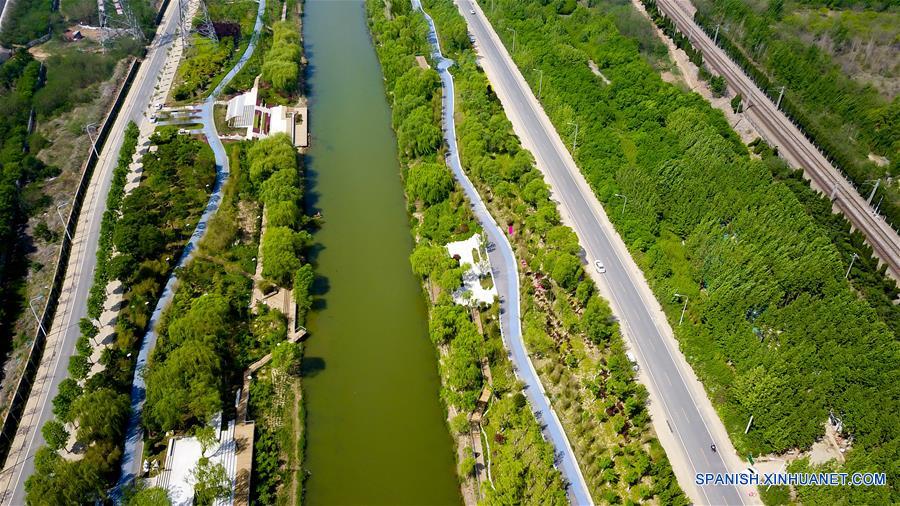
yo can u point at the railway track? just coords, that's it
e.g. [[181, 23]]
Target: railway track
[[793, 144]]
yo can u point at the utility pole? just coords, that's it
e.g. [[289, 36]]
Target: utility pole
[[624, 203], [38, 320], [874, 189], [716, 38], [748, 425], [683, 309], [541, 83], [513, 30], [575, 139], [855, 256], [780, 95], [64, 223]]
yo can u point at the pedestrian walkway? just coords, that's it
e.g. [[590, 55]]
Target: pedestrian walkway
[[506, 279]]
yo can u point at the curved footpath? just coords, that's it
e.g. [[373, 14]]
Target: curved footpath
[[134, 436], [506, 279]]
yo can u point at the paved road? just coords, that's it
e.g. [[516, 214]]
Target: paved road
[[72, 307], [792, 144], [506, 279], [134, 435], [693, 428]]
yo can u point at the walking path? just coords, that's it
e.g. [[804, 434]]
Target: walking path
[[132, 456], [506, 279]]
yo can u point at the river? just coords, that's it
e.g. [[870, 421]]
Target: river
[[375, 426]]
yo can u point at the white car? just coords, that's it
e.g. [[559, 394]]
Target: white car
[[631, 359], [600, 267]]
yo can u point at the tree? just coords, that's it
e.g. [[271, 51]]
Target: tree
[[464, 367], [717, 85], [150, 496], [69, 391], [281, 73], [303, 281], [596, 322], [270, 155], [282, 185], [429, 182], [451, 280], [430, 260], [88, 329], [460, 424], [55, 434], [206, 436], [57, 481], [211, 482], [205, 321], [83, 346], [286, 357], [566, 271], [418, 135], [183, 387], [446, 319], [736, 103], [101, 415], [79, 366], [281, 62], [279, 250]]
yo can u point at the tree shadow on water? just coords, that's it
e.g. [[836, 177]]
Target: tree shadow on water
[[311, 366], [320, 287]]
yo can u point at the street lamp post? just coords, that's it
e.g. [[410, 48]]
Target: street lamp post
[[540, 83], [684, 308], [36, 318], [853, 259], [623, 203], [513, 30], [92, 127], [874, 188], [575, 139], [64, 223]]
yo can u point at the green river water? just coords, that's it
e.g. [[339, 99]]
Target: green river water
[[375, 427]]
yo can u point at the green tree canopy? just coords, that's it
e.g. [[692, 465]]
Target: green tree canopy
[[101, 415], [429, 182], [183, 387]]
